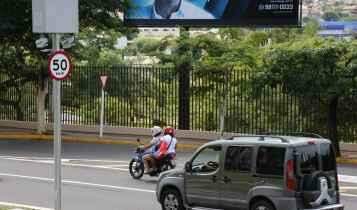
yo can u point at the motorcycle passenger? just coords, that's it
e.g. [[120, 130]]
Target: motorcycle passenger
[[152, 147], [168, 144]]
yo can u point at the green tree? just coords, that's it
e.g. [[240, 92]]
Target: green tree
[[220, 57], [96, 46], [325, 69], [17, 42]]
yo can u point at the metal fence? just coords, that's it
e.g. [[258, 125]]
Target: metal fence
[[142, 96]]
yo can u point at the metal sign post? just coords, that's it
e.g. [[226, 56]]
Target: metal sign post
[[56, 17], [57, 131], [59, 68], [103, 79]]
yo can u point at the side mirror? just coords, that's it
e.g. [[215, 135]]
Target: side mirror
[[188, 167]]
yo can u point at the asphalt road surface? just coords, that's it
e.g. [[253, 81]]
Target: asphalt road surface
[[94, 177]]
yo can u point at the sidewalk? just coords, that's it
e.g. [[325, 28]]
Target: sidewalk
[[349, 151], [84, 137]]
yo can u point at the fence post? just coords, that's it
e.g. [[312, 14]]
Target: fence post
[[184, 97]]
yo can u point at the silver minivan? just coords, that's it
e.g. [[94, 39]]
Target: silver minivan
[[262, 172]]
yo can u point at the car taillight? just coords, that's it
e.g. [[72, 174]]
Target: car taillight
[[312, 142], [290, 176]]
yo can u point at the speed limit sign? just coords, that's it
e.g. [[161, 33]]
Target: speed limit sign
[[59, 65]]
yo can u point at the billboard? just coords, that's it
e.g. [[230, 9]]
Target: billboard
[[213, 13]]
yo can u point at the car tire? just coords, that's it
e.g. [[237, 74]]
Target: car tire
[[262, 205], [171, 200]]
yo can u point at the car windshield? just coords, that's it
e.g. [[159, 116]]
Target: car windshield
[[309, 158]]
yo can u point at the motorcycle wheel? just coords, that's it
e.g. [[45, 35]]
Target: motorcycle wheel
[[136, 169]]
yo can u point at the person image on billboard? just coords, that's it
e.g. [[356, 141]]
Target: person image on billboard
[[163, 9], [212, 12], [177, 9]]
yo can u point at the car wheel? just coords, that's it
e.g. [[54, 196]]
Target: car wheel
[[262, 205], [136, 169], [171, 200]]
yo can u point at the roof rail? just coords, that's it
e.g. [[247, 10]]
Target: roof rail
[[302, 134], [262, 137]]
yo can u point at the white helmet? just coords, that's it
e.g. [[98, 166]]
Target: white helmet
[[155, 131]]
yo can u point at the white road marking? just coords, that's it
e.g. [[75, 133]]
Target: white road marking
[[117, 166], [110, 187], [102, 161], [63, 159], [67, 162], [348, 188], [96, 166], [349, 195], [23, 206], [347, 178], [27, 177]]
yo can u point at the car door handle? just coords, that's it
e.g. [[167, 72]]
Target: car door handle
[[214, 178], [226, 179]]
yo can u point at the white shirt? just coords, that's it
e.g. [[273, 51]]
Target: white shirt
[[172, 146], [155, 140]]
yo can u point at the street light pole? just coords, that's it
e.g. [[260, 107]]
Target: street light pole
[[56, 94]]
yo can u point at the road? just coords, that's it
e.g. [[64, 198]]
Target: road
[[94, 177]]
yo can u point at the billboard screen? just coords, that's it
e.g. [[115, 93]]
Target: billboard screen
[[213, 13]]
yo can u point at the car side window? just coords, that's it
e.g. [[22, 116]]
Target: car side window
[[207, 160], [238, 159], [270, 161]]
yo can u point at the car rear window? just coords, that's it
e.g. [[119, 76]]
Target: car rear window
[[327, 157], [309, 158], [309, 161]]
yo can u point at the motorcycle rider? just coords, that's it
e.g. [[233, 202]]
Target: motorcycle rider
[[152, 147]]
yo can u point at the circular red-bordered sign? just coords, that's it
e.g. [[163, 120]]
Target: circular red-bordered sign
[[59, 65]]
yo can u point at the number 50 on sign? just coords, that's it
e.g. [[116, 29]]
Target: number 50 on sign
[[59, 65]]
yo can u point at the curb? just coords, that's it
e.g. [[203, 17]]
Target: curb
[[93, 140], [350, 161], [17, 206]]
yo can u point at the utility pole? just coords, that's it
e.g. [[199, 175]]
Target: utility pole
[[56, 94]]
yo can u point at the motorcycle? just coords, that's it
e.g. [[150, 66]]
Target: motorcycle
[[136, 165]]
